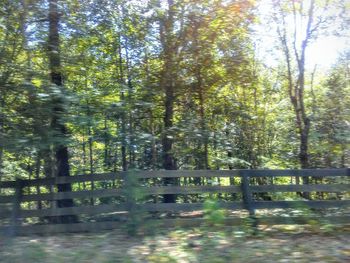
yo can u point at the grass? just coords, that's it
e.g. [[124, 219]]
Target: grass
[[204, 245]]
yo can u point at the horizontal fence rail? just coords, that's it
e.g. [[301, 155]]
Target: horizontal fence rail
[[179, 173], [27, 205]]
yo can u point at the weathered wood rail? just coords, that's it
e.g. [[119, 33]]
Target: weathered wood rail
[[19, 213]]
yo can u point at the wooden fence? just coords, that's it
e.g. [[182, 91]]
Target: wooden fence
[[26, 206]]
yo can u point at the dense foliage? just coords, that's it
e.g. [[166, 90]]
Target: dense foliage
[[162, 85]]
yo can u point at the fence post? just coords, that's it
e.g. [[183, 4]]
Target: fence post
[[131, 187], [128, 190], [16, 209], [247, 198]]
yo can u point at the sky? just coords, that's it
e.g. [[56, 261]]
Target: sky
[[323, 51]]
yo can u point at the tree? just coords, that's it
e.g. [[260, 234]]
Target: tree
[[332, 119], [57, 125], [161, 85], [296, 83], [168, 82], [298, 24]]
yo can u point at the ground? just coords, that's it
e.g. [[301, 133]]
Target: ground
[[203, 244]]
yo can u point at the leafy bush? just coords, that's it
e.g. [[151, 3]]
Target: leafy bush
[[133, 194], [213, 215]]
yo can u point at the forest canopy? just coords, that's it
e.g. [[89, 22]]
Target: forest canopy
[[110, 85]]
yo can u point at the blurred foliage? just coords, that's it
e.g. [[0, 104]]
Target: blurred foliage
[[213, 215], [230, 109]]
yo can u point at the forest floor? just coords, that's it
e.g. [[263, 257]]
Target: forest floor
[[204, 244]]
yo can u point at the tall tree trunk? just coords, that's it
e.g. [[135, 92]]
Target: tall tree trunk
[[2, 104], [37, 176], [296, 86], [91, 161], [61, 150], [131, 136], [84, 158], [106, 159], [120, 74], [203, 141], [167, 82], [230, 166], [153, 161]]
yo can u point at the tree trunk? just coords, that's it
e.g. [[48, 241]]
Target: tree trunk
[[106, 159], [230, 166], [167, 82], [132, 156], [61, 150], [91, 160], [84, 159], [37, 176], [1, 132], [203, 142], [122, 98], [296, 86]]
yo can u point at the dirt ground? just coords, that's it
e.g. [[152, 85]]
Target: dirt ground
[[278, 244]]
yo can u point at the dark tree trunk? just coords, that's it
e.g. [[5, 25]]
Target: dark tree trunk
[[123, 137], [84, 159], [122, 97], [37, 176], [203, 142], [1, 132], [91, 159], [168, 159], [61, 150], [202, 161], [230, 166], [107, 159], [296, 86], [167, 82], [132, 155], [304, 143]]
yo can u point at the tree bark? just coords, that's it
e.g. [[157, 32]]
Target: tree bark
[[203, 142], [37, 176], [132, 156], [61, 150], [122, 97], [167, 82], [296, 86], [106, 159], [2, 104], [91, 158]]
